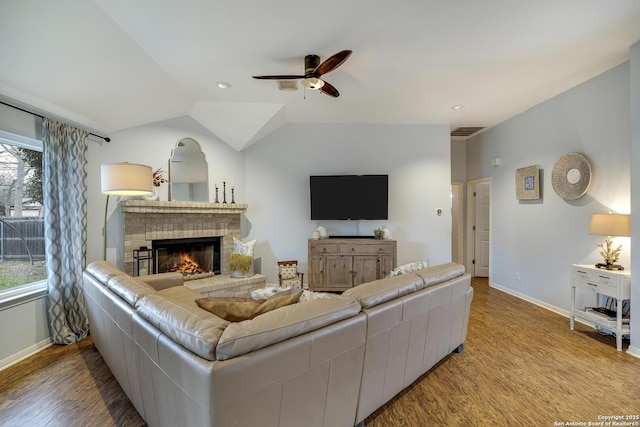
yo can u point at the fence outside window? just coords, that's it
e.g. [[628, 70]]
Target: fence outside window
[[21, 239]]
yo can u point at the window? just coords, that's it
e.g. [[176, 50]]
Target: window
[[22, 256]]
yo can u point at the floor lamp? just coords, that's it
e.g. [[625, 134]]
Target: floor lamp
[[123, 179]]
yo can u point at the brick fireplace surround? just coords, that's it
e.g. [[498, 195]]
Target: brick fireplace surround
[[145, 221]]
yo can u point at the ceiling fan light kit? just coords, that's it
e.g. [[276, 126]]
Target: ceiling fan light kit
[[313, 70], [313, 83]]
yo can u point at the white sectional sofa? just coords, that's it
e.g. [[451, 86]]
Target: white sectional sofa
[[322, 362]]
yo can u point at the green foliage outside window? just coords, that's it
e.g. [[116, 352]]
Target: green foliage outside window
[[21, 201], [33, 184]]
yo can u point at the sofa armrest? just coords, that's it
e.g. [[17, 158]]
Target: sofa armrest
[[162, 281]]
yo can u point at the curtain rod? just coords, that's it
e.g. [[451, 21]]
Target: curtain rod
[[106, 138]]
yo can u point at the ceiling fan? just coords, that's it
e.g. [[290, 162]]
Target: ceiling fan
[[313, 70]]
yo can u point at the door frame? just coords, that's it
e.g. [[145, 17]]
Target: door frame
[[459, 219], [471, 214]]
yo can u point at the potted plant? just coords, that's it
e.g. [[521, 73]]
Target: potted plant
[[241, 266], [379, 233]]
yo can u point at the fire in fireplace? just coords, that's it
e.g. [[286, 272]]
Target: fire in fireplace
[[186, 265], [189, 256]]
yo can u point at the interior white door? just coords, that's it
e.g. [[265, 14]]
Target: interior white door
[[481, 229]]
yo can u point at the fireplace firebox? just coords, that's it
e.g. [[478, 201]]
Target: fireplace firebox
[[189, 256]]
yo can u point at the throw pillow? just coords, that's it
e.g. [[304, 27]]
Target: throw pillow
[[311, 295], [408, 268], [237, 309], [268, 292], [243, 248]]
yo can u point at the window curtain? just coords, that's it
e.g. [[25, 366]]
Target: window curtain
[[65, 228]]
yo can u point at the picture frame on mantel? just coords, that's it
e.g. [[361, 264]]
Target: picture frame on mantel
[[528, 183]]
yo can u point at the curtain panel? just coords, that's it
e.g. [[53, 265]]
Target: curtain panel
[[65, 228]]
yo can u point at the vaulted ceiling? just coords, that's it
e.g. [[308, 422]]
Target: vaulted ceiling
[[114, 64]]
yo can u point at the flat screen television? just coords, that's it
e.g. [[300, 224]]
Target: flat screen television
[[337, 197]]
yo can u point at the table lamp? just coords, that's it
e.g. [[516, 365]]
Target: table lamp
[[123, 179], [610, 225]]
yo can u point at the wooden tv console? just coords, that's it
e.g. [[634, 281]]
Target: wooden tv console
[[340, 264]]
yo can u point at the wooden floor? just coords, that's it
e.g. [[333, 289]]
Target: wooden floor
[[521, 366]]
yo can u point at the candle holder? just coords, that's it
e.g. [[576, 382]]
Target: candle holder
[[216, 185], [233, 199], [224, 192]]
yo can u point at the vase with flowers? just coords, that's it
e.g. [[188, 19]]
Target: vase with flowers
[[158, 179]]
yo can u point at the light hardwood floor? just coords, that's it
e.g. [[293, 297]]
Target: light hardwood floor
[[521, 366]]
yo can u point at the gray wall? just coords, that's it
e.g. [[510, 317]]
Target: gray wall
[[635, 195], [541, 239], [417, 159], [152, 145]]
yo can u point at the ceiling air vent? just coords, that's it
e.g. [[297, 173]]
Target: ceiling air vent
[[465, 131], [287, 85]]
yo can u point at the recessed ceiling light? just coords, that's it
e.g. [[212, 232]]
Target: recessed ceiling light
[[457, 107], [223, 85]]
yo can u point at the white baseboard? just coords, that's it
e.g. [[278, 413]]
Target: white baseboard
[[558, 310], [634, 351], [27, 352]]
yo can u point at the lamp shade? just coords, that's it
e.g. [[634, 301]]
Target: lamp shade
[[610, 225], [126, 179]]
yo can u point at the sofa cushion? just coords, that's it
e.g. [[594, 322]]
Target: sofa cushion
[[162, 281], [237, 309], [103, 270], [129, 288], [279, 325], [182, 294], [440, 273], [380, 291], [193, 328]]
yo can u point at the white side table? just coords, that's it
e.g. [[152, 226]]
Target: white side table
[[611, 283]]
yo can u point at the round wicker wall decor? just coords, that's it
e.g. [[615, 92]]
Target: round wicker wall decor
[[571, 176]]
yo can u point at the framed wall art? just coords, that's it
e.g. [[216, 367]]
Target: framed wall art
[[528, 183], [571, 176]]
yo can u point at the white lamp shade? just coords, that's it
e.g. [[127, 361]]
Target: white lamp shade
[[126, 179], [610, 225]]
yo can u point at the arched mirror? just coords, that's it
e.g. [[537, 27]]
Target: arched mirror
[[188, 172]]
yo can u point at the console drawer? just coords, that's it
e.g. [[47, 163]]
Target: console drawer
[[325, 248], [367, 249], [602, 282]]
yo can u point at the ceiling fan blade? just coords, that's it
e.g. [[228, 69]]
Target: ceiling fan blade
[[282, 77], [332, 63], [328, 89]]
